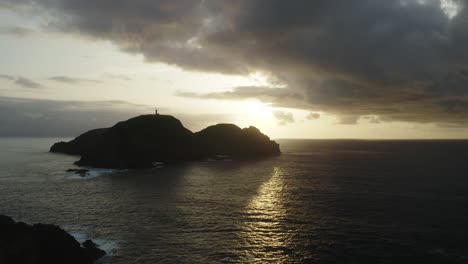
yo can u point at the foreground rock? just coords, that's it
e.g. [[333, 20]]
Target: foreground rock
[[143, 140], [21, 243]]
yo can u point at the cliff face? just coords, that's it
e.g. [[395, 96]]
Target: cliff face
[[139, 141]]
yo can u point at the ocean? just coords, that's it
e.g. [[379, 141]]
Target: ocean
[[321, 201]]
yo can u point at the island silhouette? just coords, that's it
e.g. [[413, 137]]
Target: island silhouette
[[148, 140]]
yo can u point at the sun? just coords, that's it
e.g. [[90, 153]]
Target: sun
[[258, 110]]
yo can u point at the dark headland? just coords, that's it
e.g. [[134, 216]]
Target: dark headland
[[143, 140], [21, 243]]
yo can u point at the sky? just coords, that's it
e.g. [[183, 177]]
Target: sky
[[367, 69]]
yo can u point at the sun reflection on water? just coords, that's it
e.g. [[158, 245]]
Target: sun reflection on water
[[263, 232]]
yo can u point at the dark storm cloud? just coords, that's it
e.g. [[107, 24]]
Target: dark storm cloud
[[399, 60], [283, 118], [48, 118], [72, 80]]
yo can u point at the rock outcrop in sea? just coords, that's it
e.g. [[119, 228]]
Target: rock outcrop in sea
[[21, 243], [141, 141]]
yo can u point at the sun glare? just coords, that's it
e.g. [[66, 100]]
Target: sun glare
[[451, 8], [258, 109]]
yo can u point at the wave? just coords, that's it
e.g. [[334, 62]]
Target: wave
[[91, 174], [110, 246]]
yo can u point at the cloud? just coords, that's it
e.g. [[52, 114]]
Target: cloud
[[7, 77], [72, 80], [348, 120], [27, 83], [313, 116], [53, 118], [33, 117], [284, 118], [15, 31], [400, 60], [274, 96], [121, 77], [372, 119], [21, 81]]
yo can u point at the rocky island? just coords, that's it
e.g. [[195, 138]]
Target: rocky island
[[141, 141], [21, 243]]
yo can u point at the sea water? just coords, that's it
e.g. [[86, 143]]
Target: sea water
[[321, 201]]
